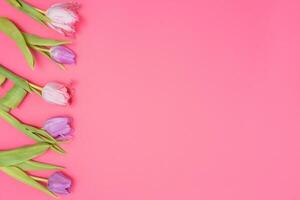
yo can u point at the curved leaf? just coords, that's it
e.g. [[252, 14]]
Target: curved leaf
[[35, 165], [11, 30], [19, 155], [40, 41], [44, 136], [13, 97], [2, 79], [18, 125], [29, 10], [15, 78]]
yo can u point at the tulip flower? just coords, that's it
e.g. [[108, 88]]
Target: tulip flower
[[58, 183], [59, 128], [52, 49], [63, 17], [62, 55], [56, 93]]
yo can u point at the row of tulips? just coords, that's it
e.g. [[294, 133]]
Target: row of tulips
[[20, 162]]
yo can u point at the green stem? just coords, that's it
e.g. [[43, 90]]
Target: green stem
[[41, 11], [37, 87], [40, 179], [39, 48]]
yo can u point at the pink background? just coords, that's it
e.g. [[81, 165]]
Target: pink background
[[174, 99]]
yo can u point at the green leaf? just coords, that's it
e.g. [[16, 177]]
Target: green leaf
[[18, 125], [19, 155], [29, 87], [39, 41], [2, 79], [15, 78], [4, 108], [11, 30], [41, 133], [45, 137], [21, 176], [14, 3], [13, 97], [29, 10], [35, 165]]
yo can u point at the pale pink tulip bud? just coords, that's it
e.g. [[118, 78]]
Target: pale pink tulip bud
[[63, 17], [56, 93]]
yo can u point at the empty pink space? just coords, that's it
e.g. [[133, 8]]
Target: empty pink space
[[173, 100]]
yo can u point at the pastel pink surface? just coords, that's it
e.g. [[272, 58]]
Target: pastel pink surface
[[173, 100]]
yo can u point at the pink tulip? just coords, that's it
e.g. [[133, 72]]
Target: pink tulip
[[56, 93], [63, 17]]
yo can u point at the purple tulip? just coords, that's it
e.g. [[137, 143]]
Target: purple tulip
[[58, 183], [59, 128], [62, 55]]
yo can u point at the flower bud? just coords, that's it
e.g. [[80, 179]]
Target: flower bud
[[62, 55], [56, 93], [59, 128], [63, 17], [58, 183]]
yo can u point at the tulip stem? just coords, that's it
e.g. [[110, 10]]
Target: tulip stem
[[41, 11], [40, 179], [39, 48], [39, 88]]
